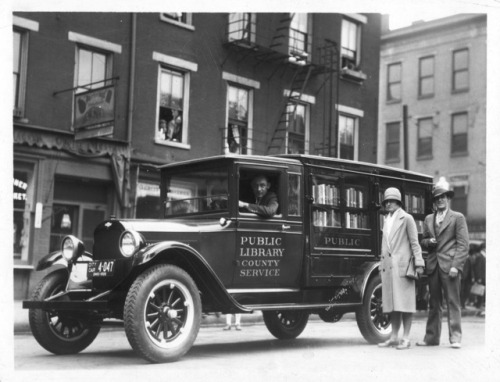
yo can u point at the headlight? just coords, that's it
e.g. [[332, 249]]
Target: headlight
[[71, 248], [130, 242]]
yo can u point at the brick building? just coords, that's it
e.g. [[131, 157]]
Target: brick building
[[433, 76], [100, 98]]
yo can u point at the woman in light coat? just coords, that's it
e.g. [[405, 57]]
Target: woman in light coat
[[399, 242]]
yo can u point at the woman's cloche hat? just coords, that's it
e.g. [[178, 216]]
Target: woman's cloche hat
[[392, 193]]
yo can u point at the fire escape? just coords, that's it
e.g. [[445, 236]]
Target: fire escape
[[288, 53]]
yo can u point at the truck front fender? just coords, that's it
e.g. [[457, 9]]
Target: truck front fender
[[189, 259], [53, 258]]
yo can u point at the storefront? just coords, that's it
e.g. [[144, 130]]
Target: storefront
[[61, 187]]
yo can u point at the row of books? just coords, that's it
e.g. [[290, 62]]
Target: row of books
[[329, 194], [332, 219], [326, 194], [355, 198], [326, 218], [414, 204]]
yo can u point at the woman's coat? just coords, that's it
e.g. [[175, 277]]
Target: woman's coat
[[398, 292]]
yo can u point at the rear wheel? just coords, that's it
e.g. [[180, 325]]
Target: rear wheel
[[59, 332], [375, 326], [286, 324], [162, 314]]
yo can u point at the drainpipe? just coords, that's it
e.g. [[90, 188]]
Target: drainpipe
[[131, 90]]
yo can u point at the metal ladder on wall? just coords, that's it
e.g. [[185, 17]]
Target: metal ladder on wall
[[278, 143]]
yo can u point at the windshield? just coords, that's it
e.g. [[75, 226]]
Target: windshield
[[197, 192]]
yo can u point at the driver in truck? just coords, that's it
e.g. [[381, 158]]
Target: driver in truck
[[266, 202]]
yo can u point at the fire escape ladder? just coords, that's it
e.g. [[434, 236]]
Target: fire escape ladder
[[278, 143]]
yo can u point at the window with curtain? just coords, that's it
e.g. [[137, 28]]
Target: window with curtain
[[298, 34], [171, 108], [237, 129], [347, 132], [350, 44]]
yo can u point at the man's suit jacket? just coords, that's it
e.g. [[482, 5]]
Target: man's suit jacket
[[267, 206], [452, 239]]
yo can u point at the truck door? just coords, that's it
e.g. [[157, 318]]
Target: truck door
[[343, 225], [269, 250]]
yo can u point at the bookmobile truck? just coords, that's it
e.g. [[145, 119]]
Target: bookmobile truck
[[318, 255]]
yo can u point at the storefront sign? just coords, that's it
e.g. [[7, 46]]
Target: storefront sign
[[94, 112]]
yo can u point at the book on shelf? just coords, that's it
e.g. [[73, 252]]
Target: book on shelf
[[326, 194]]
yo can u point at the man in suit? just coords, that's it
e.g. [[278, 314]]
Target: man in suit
[[266, 202], [447, 240]]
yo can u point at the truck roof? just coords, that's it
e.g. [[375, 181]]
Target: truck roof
[[309, 160]]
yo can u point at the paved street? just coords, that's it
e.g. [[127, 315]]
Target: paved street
[[323, 352]]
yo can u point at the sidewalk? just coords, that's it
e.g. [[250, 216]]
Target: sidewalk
[[21, 324]]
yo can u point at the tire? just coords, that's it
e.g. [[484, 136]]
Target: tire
[[375, 326], [330, 315], [162, 314], [286, 324], [59, 332]]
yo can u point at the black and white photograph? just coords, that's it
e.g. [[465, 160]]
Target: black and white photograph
[[262, 190]]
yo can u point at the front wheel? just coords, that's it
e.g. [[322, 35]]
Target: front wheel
[[374, 325], [162, 314], [59, 332], [285, 324]]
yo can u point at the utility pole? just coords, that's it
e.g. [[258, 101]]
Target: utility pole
[[405, 136]]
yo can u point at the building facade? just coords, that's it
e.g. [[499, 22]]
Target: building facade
[[433, 88], [101, 98]]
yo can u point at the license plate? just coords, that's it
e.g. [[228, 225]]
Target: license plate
[[101, 268]]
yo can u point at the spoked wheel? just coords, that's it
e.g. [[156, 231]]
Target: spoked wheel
[[375, 326], [286, 324], [162, 314], [59, 332]]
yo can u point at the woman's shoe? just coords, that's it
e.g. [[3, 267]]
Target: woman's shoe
[[403, 345], [389, 343], [238, 327], [227, 327]]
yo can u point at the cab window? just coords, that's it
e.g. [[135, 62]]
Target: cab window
[[260, 188]]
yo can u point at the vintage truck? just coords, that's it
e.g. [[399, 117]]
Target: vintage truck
[[318, 254]]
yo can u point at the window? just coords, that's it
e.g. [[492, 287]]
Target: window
[[93, 68], [197, 192], [347, 131], [171, 109], [23, 198], [147, 200], [392, 141], [459, 201], [350, 44], [237, 128], [424, 145], [294, 195], [426, 77], [19, 71], [297, 126], [394, 82], [298, 35], [22, 28], [459, 124], [181, 19], [328, 209], [241, 27], [460, 81]]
